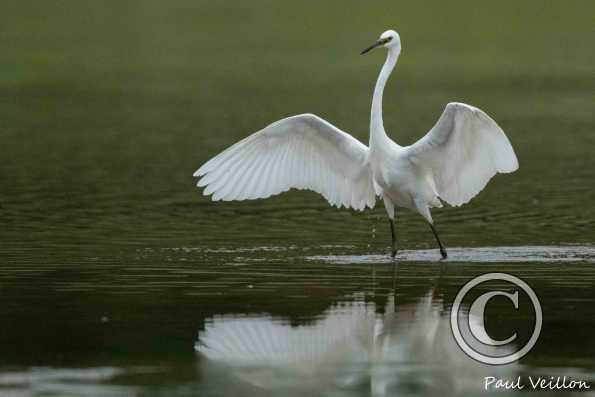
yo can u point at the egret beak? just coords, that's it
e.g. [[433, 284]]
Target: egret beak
[[378, 43]]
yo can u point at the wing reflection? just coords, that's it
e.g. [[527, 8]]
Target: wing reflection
[[351, 349]]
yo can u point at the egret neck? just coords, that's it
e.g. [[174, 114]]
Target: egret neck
[[377, 134]]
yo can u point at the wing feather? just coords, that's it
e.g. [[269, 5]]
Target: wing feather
[[302, 152], [228, 167], [462, 152]]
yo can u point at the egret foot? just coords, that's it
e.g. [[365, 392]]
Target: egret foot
[[443, 253]]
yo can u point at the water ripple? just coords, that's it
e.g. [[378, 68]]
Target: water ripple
[[477, 254]]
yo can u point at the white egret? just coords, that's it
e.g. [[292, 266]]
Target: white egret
[[452, 162]]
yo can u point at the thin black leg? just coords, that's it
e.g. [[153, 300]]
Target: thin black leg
[[442, 250], [393, 237]]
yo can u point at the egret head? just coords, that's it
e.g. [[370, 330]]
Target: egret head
[[389, 39]]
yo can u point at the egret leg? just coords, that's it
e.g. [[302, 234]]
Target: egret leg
[[393, 237], [390, 210], [442, 250]]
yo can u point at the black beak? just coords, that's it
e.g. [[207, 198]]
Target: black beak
[[370, 48]]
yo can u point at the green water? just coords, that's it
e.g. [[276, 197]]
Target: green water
[[113, 265]]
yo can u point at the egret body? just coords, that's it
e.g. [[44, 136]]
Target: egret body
[[453, 162]]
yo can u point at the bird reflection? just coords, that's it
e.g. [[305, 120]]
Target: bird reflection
[[351, 350]]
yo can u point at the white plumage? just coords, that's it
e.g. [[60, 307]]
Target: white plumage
[[302, 152], [452, 162], [462, 152]]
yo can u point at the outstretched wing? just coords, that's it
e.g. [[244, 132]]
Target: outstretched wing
[[462, 152], [302, 152]]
